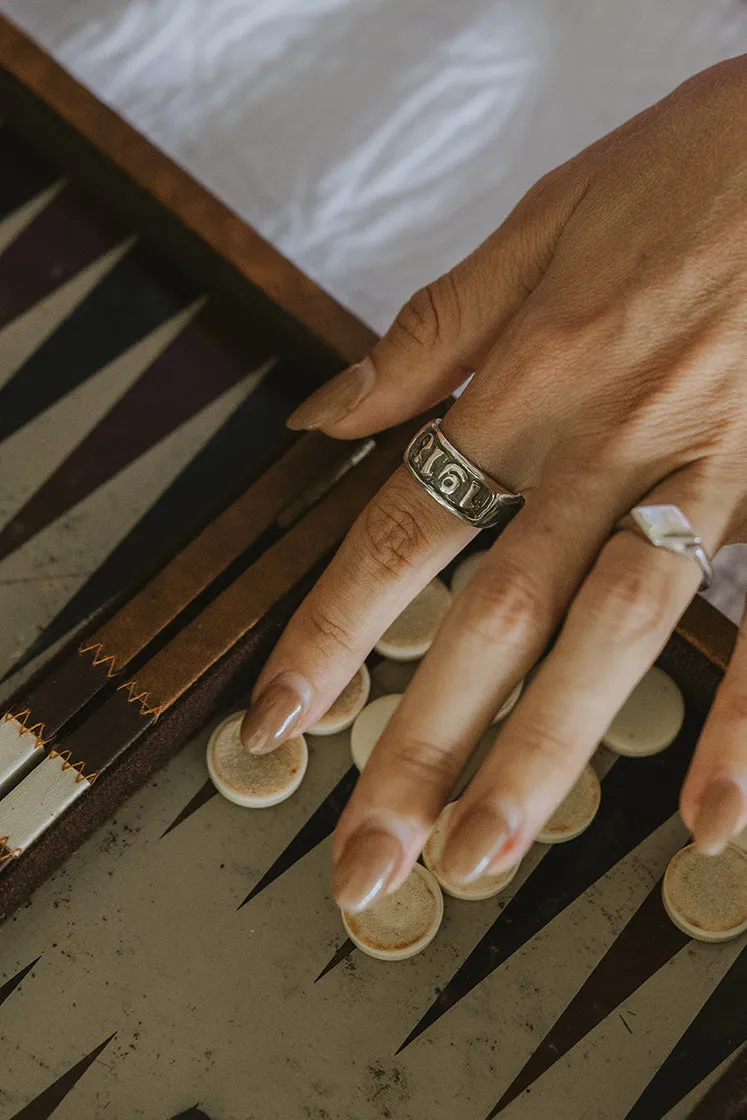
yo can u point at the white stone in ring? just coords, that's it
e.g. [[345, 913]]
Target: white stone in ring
[[666, 526]]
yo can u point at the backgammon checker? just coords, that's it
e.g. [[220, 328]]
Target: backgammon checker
[[155, 508], [370, 725], [346, 707], [650, 719], [412, 633], [254, 781], [706, 896], [509, 703], [402, 924], [575, 812]]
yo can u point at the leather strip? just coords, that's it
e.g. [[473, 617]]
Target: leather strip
[[20, 748], [709, 631], [32, 806]]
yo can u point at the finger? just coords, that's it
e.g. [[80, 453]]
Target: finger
[[617, 625], [397, 545], [443, 333], [497, 629], [714, 796]]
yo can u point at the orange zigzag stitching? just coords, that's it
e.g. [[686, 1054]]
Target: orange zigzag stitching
[[68, 765], [141, 698], [36, 729], [100, 657], [9, 853]]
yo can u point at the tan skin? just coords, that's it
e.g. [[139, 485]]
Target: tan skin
[[607, 322]]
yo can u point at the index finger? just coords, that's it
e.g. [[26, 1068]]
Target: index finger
[[400, 542]]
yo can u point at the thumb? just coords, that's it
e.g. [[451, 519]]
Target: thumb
[[443, 333]]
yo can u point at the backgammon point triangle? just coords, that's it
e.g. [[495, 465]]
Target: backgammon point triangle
[[10, 986], [48, 1101]]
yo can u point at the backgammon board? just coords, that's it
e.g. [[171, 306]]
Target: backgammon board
[[165, 952]]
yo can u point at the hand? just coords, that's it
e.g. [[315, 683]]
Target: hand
[[607, 323]]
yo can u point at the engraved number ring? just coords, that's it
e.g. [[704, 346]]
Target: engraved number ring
[[456, 483]]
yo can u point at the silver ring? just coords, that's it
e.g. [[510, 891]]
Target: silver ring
[[667, 527], [457, 484]]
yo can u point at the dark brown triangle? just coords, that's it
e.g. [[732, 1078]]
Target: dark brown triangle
[[340, 955], [645, 945], [719, 1028], [318, 827], [69, 234], [10, 986], [168, 394], [42, 1107], [26, 172], [204, 794], [137, 295]]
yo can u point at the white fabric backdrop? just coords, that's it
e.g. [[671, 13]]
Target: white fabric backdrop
[[375, 142]]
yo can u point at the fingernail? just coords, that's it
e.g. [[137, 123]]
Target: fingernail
[[365, 869], [273, 716], [718, 816], [335, 400], [475, 841]]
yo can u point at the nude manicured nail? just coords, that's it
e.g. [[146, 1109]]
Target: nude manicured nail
[[273, 716], [335, 400], [475, 841], [366, 868], [718, 816]]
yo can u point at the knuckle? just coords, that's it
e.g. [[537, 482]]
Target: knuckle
[[394, 535], [559, 335], [630, 603], [508, 606], [423, 763], [541, 740], [538, 344], [431, 313], [620, 454], [530, 215]]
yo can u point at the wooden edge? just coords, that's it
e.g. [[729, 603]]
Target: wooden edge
[[709, 631], [193, 205]]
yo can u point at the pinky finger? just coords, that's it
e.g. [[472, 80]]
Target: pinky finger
[[714, 796]]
